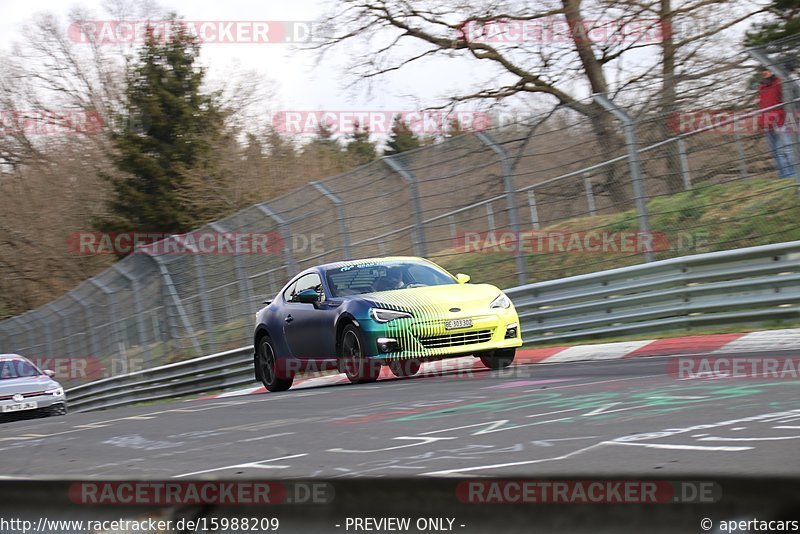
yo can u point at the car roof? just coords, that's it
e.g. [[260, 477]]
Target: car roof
[[12, 357], [387, 259]]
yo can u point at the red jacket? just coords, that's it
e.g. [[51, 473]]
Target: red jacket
[[769, 94]]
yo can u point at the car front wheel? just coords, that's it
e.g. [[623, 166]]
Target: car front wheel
[[267, 369], [498, 359], [353, 360]]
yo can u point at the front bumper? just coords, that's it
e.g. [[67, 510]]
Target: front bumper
[[430, 339], [33, 406]]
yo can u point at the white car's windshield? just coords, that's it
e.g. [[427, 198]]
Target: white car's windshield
[[17, 369]]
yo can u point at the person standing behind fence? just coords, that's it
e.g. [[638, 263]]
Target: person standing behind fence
[[772, 122]]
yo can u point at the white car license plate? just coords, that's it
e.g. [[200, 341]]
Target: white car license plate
[[457, 323], [19, 407]]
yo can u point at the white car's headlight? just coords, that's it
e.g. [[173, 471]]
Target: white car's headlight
[[501, 301], [384, 316], [56, 392]]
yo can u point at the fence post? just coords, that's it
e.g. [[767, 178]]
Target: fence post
[[420, 247], [587, 185], [344, 233], [141, 328], [6, 338], [508, 183], [114, 317], [65, 327], [172, 293], [490, 218], [11, 338], [208, 322], [684, 159], [31, 334], [283, 227], [787, 83], [534, 209], [737, 137], [89, 322], [45, 329], [633, 161]]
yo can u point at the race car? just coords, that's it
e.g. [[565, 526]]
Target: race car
[[356, 316], [27, 391]]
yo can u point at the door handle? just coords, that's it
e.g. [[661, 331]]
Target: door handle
[[289, 319]]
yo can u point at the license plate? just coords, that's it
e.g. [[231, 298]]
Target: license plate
[[19, 407], [457, 323]]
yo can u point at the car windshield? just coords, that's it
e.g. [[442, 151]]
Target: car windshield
[[384, 276], [17, 369]]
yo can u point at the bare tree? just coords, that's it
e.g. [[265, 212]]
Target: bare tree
[[559, 67]]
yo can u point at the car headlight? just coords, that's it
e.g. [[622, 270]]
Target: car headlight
[[384, 316], [501, 301], [56, 392]]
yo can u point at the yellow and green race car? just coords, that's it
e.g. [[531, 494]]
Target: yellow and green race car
[[356, 316]]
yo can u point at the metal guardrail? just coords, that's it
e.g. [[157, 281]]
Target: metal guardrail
[[739, 286]]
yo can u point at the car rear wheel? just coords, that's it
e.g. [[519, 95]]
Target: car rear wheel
[[405, 367], [267, 368], [353, 360], [498, 359]]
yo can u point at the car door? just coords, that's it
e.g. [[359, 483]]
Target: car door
[[308, 328]]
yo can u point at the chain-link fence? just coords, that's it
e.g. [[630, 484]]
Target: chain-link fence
[[566, 193]]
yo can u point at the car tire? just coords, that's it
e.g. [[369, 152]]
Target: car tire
[[403, 368], [58, 409], [498, 359], [267, 367], [353, 360]]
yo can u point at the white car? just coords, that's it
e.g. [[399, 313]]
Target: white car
[[27, 391]]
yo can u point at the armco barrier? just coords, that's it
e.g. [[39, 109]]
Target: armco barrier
[[739, 286]]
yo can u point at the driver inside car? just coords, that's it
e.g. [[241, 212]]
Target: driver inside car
[[393, 279]]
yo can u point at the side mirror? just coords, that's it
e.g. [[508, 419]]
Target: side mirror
[[307, 296], [462, 278], [49, 373]]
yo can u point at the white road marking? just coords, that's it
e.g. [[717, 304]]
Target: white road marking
[[457, 472], [422, 441], [776, 438], [257, 465], [548, 442], [623, 440], [678, 447], [259, 438]]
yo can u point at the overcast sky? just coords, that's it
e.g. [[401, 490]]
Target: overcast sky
[[299, 83]]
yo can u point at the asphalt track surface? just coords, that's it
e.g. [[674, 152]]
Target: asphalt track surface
[[631, 417]]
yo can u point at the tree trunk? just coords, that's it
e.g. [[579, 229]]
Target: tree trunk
[[673, 179]]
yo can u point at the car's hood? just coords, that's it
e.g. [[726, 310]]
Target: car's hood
[[436, 301], [30, 384]]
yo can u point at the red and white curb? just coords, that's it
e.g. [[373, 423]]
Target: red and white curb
[[769, 340]]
